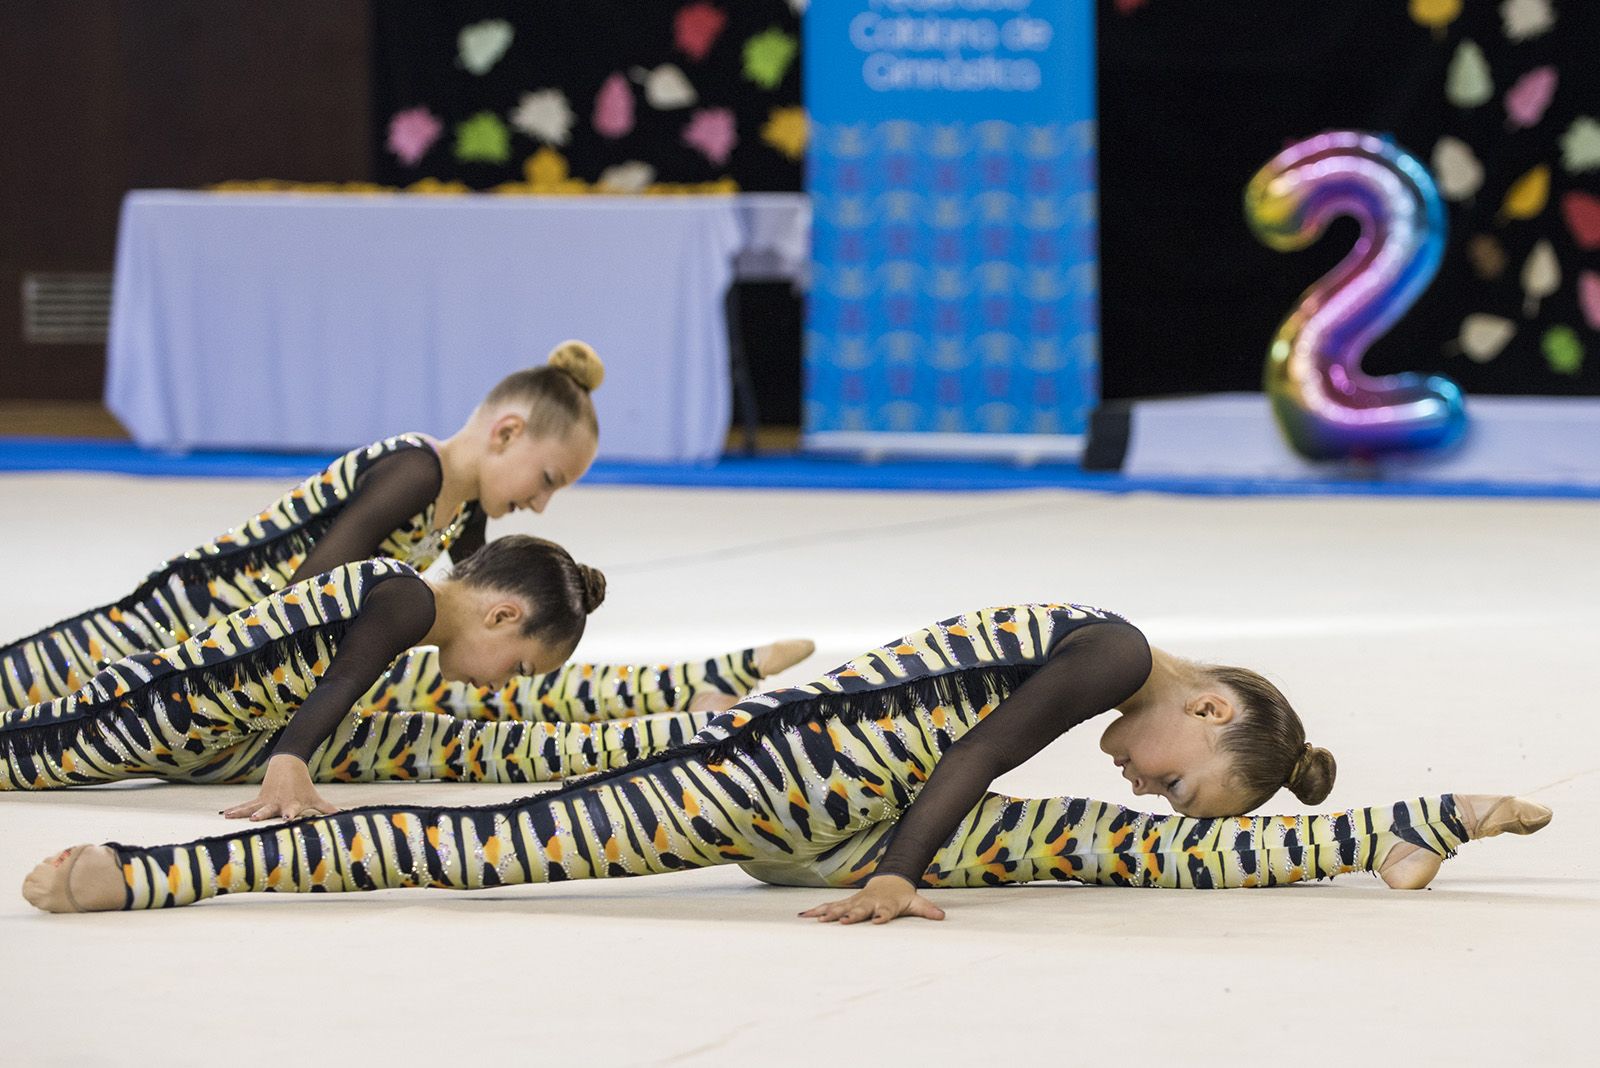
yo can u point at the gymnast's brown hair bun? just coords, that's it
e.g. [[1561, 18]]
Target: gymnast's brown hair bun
[[1312, 776], [559, 591], [578, 359], [594, 587]]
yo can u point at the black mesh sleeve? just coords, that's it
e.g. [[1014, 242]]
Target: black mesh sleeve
[[472, 537], [387, 495], [1091, 670], [394, 616]]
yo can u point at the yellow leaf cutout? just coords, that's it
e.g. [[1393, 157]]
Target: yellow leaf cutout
[[785, 130], [1528, 194], [1435, 14], [545, 167]]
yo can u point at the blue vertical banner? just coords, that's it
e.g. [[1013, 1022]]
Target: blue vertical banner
[[954, 305]]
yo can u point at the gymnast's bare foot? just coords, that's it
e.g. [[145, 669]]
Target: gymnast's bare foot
[[780, 656], [84, 878], [770, 659], [1410, 867]]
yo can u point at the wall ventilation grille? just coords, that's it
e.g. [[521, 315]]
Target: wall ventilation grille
[[65, 309]]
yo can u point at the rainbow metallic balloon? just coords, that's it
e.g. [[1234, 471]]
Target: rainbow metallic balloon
[[1328, 408]]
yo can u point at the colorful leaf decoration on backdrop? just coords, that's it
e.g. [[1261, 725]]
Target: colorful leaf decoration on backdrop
[[545, 168], [634, 176], [480, 45], [712, 132], [767, 57], [613, 108], [411, 133], [1458, 171], [1589, 298], [786, 130], [545, 116], [696, 28], [1483, 337], [1435, 14], [1527, 195], [1487, 255], [1527, 19], [1467, 82], [1580, 145], [613, 88], [483, 139], [1563, 350], [1541, 276], [1527, 100], [1582, 212], [666, 88]]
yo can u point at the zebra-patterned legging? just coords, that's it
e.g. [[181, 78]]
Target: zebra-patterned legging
[[413, 725], [808, 800]]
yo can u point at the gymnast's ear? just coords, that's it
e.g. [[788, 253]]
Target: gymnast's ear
[[505, 430], [1214, 708], [503, 612]]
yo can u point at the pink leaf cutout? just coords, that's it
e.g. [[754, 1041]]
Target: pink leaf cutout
[[711, 131], [1527, 100], [1589, 297], [411, 133], [613, 108]]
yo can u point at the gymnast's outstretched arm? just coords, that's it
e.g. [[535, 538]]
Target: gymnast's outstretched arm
[[387, 496], [398, 613], [1090, 671]]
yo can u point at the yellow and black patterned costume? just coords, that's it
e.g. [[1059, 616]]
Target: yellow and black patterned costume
[[211, 708], [257, 559], [801, 786], [196, 589]]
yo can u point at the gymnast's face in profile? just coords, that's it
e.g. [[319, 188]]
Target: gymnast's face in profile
[[1171, 748], [524, 471], [490, 649]]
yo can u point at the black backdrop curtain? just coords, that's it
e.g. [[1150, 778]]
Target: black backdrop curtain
[[601, 98]]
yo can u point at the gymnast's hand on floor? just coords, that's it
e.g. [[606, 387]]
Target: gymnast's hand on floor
[[881, 900], [286, 791]]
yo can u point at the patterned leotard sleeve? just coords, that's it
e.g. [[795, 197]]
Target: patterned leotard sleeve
[[394, 616], [387, 496], [1091, 670]]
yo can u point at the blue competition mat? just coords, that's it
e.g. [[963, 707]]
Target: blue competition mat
[[784, 471]]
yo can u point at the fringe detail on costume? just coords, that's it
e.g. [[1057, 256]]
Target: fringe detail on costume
[[203, 569], [29, 740]]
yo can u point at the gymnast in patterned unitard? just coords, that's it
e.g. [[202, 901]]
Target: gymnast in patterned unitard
[[411, 499], [875, 776], [266, 694]]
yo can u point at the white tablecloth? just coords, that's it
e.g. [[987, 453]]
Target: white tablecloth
[[319, 322]]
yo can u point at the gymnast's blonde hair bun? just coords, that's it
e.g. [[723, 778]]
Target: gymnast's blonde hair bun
[[1313, 774], [579, 360]]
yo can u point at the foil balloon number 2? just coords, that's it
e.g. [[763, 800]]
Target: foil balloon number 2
[[1327, 407]]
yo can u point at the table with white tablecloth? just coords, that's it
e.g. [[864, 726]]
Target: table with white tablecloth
[[300, 321]]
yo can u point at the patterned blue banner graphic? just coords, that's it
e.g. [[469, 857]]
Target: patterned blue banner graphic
[[952, 173]]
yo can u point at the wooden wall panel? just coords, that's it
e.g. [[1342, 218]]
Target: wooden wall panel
[[101, 96]]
